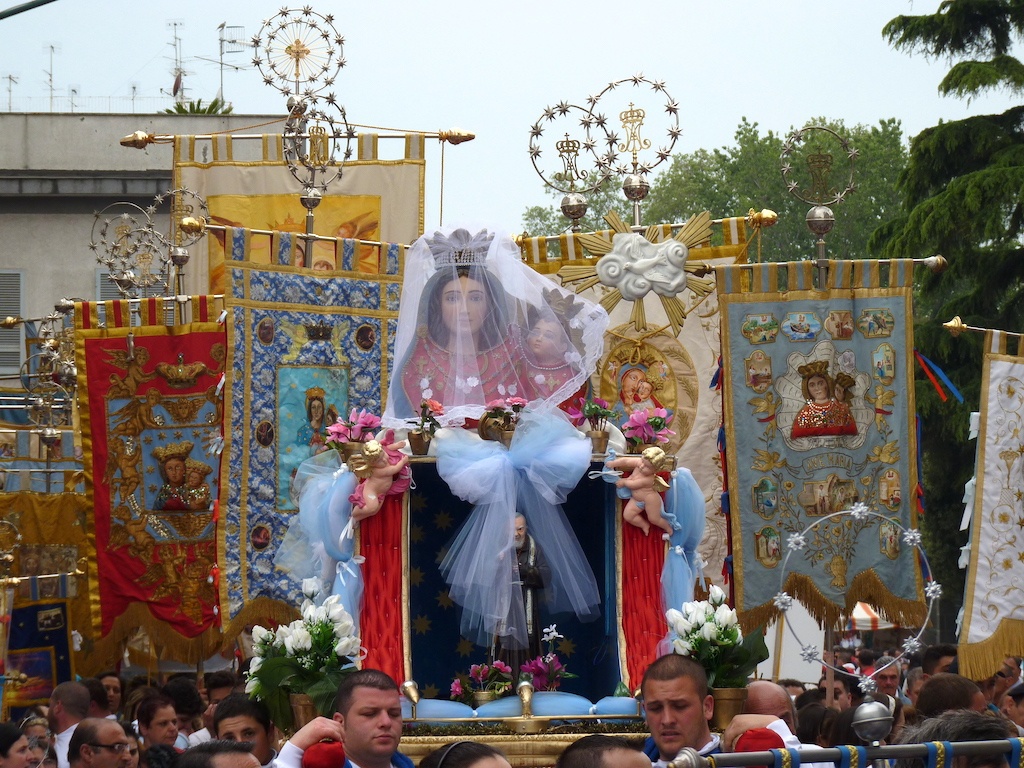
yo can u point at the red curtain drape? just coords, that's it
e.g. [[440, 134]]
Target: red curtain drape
[[643, 620], [382, 619]]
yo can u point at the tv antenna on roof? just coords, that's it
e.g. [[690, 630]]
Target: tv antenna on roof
[[11, 82]]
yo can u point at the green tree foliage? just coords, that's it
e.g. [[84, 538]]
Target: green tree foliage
[[215, 107], [731, 180], [964, 198]]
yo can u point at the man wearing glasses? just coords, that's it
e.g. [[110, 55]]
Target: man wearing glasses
[[99, 743]]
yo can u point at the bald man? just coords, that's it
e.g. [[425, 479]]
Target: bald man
[[768, 705]]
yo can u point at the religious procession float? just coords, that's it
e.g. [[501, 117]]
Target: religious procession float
[[498, 468]]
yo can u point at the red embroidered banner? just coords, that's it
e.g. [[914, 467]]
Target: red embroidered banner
[[152, 408]]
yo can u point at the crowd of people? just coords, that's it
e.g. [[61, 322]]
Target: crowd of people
[[101, 723]]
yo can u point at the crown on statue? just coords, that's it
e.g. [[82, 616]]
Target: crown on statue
[[460, 249], [173, 451]]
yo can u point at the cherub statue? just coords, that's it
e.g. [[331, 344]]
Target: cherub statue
[[645, 487], [382, 469]]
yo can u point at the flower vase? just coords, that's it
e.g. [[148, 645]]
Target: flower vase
[[350, 449], [728, 703], [639, 447], [419, 442], [506, 437], [303, 710], [599, 439], [483, 697]]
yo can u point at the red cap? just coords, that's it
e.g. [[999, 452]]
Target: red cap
[[758, 740], [325, 754]]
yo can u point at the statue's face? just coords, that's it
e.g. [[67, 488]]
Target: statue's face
[[316, 409], [520, 532], [464, 305], [546, 341]]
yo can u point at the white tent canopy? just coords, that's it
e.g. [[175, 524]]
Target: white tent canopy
[[866, 619]]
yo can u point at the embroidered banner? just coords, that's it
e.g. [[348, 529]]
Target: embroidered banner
[[152, 413], [246, 182], [305, 347], [993, 613], [819, 415]]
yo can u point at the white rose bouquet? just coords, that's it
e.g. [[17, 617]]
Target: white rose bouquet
[[708, 631], [311, 655]]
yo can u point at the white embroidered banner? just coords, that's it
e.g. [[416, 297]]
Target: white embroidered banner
[[993, 619]]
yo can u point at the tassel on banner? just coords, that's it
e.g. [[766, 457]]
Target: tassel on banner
[[716, 380]]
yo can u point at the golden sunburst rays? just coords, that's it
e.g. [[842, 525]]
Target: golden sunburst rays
[[694, 232]]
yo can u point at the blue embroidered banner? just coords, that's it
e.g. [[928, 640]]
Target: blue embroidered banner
[[819, 414], [305, 347]]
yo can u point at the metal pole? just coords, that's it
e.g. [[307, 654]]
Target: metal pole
[[14, 10]]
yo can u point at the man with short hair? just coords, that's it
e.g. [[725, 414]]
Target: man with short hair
[[99, 703], [217, 754], [112, 682], [99, 743], [239, 718], [1013, 704], [774, 709], [69, 705], [368, 721], [677, 708], [957, 726], [219, 685], [887, 676], [937, 658], [601, 751]]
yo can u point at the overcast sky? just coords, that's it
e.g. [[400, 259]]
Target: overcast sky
[[493, 67]]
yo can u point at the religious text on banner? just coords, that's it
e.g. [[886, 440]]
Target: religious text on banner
[[304, 348], [819, 417], [151, 421], [993, 616]]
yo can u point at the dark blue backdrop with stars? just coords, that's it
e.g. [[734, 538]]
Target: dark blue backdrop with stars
[[438, 651]]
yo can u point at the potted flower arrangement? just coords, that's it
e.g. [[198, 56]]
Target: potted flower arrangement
[[483, 683], [309, 656], [708, 631], [547, 671], [596, 412], [346, 435], [647, 426], [500, 418], [426, 425]]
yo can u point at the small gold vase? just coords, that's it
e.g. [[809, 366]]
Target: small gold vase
[[506, 437], [303, 710], [483, 697], [419, 442], [348, 450], [728, 703], [599, 439]]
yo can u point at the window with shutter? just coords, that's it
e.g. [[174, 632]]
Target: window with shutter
[[11, 339]]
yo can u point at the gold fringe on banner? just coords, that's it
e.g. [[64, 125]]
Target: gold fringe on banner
[[171, 647], [259, 610], [866, 585]]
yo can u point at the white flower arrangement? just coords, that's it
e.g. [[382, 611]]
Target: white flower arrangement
[[708, 631], [310, 655]]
